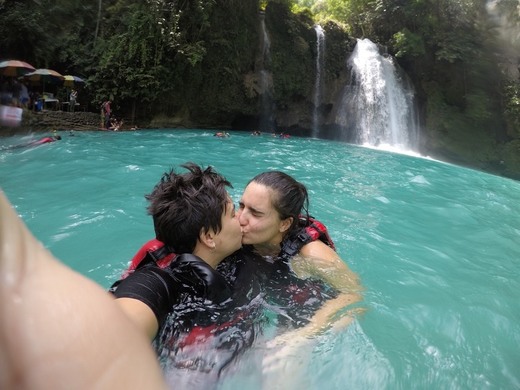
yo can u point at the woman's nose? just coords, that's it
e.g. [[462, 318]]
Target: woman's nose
[[241, 217]]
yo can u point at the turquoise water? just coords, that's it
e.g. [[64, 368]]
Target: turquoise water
[[437, 247]]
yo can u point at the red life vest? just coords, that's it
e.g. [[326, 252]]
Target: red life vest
[[311, 230], [152, 251]]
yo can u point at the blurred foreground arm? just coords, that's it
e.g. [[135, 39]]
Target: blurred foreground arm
[[60, 330]]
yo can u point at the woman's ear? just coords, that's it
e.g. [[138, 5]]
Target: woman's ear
[[286, 224], [207, 238]]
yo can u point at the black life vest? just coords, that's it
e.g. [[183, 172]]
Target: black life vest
[[188, 278]]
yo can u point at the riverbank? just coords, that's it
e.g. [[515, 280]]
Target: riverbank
[[48, 121], [45, 121]]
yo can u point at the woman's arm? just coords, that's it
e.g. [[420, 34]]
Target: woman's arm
[[286, 349], [320, 261]]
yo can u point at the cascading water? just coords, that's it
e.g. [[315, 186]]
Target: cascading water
[[379, 105], [265, 78], [266, 43], [320, 56]]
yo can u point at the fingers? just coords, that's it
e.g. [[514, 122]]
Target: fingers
[[286, 362]]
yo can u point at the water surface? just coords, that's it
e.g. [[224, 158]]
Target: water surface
[[437, 247]]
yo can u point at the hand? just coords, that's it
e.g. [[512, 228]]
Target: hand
[[286, 361], [285, 349], [291, 348]]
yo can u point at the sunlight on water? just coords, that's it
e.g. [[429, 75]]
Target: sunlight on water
[[436, 246]]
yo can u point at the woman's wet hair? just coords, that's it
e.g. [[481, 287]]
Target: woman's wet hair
[[290, 197], [184, 204]]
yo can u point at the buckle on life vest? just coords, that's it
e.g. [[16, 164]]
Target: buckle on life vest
[[160, 253], [291, 247]]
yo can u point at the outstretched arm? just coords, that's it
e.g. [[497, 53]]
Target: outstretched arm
[[59, 329]]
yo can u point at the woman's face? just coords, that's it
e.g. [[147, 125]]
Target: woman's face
[[260, 222], [229, 239]]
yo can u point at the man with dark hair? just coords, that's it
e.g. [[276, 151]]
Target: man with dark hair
[[194, 216], [88, 339]]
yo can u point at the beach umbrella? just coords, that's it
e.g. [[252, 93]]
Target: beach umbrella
[[13, 68], [44, 76], [72, 81]]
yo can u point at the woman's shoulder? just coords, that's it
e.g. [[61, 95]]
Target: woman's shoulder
[[318, 249]]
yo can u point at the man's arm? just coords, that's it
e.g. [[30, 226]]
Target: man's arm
[[141, 314], [60, 330], [147, 296]]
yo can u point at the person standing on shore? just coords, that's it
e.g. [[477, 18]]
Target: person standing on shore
[[72, 100], [106, 111]]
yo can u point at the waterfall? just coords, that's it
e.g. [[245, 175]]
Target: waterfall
[[266, 43], [320, 59], [379, 104], [265, 78]]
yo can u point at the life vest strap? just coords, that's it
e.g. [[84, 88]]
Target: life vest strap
[[308, 233]]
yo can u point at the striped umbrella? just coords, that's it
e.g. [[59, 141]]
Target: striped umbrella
[[14, 68], [44, 76], [72, 81]]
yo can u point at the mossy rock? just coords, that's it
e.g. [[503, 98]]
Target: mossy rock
[[510, 162]]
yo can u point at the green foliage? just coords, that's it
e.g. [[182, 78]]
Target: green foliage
[[511, 93], [452, 48], [478, 106], [511, 159], [194, 56], [48, 34], [129, 59], [140, 44], [512, 96], [194, 52], [408, 43], [338, 9], [291, 61], [305, 3], [299, 9], [453, 132]]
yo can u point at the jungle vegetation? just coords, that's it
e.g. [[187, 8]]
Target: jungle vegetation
[[189, 58]]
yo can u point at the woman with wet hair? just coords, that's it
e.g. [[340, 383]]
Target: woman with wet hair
[[299, 260]]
